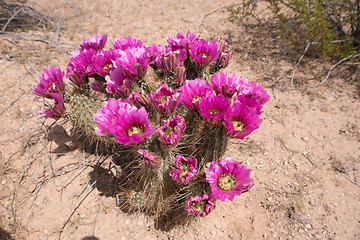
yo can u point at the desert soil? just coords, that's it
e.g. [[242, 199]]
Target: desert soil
[[305, 157]]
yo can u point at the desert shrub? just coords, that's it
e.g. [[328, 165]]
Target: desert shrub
[[333, 25]]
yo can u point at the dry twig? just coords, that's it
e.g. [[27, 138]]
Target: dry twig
[[354, 55]]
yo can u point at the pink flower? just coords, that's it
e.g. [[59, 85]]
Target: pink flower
[[224, 58], [249, 102], [169, 61], [165, 99], [131, 126], [193, 91], [254, 91], [58, 109], [134, 62], [184, 169], [181, 42], [171, 130], [103, 62], [228, 178], [240, 120], [180, 75], [78, 78], [212, 108], [96, 42], [225, 84], [225, 54], [51, 81], [200, 205], [98, 86], [81, 66], [126, 43], [105, 116], [118, 82], [152, 160], [203, 52], [154, 51], [140, 99]]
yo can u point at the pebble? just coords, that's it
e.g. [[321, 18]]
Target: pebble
[[308, 226], [305, 139], [213, 232], [3, 182]]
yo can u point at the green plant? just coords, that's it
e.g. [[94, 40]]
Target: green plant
[[333, 25]]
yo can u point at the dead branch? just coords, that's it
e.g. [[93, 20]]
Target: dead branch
[[226, 7], [76, 206], [14, 100], [354, 55], [97, 214]]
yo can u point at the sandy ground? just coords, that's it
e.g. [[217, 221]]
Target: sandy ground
[[305, 156]]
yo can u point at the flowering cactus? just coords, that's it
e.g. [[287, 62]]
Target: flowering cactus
[[173, 123]]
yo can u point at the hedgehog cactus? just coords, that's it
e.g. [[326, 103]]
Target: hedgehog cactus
[[173, 127]]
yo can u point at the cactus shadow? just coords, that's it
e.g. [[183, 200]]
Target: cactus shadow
[[5, 235]]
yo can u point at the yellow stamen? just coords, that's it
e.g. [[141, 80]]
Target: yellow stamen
[[169, 131], [185, 169], [195, 99], [226, 182], [238, 126], [135, 130]]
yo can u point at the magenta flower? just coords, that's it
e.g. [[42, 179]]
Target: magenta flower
[[200, 205], [249, 102], [228, 178], [181, 42], [81, 66], [240, 120], [58, 109], [193, 91], [103, 62], [98, 86], [118, 83], [180, 75], [184, 170], [126, 43], [225, 84], [51, 81], [134, 62], [96, 42], [105, 116], [154, 51], [78, 78], [140, 99], [254, 91], [225, 54], [131, 127], [203, 52], [165, 99], [212, 108], [152, 160], [224, 58], [171, 130], [169, 61]]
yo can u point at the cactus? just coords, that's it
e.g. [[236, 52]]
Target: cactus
[[169, 133]]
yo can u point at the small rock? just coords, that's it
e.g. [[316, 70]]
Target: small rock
[[3, 182], [213, 232], [308, 226], [305, 139]]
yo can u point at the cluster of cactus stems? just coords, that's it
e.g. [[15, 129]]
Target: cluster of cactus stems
[[167, 112]]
